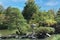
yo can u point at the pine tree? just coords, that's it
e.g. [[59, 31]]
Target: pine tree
[[58, 16], [30, 9], [58, 21]]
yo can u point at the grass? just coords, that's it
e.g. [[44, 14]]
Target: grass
[[7, 32], [54, 37]]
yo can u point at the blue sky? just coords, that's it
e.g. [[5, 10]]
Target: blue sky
[[44, 4]]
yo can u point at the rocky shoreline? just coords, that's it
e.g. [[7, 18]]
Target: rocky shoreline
[[30, 36]]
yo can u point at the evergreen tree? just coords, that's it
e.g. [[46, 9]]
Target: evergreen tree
[[58, 16], [58, 21], [30, 9]]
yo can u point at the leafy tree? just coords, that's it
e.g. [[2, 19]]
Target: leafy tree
[[1, 9], [13, 17], [58, 16], [58, 21], [37, 17], [44, 18], [15, 20], [50, 18], [2, 20], [30, 9]]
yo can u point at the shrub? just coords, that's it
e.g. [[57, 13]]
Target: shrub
[[45, 30], [24, 29]]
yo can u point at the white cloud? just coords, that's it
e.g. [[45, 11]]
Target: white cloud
[[39, 1], [52, 3], [19, 0]]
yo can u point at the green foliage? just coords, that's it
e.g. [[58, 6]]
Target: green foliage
[[58, 16], [2, 21], [16, 20], [50, 19], [44, 18], [58, 21], [2, 18], [1, 9], [45, 30], [25, 28], [13, 17], [30, 9]]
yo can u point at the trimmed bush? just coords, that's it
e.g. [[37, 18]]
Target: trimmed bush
[[24, 29], [45, 30]]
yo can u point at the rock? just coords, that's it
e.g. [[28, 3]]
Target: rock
[[16, 36], [41, 35], [33, 25], [32, 37], [48, 35], [24, 37], [3, 37]]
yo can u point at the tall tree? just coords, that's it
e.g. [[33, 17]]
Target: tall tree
[[50, 18], [2, 20], [2, 17], [58, 21], [30, 9], [13, 17], [15, 20], [1, 9], [44, 18], [58, 16]]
